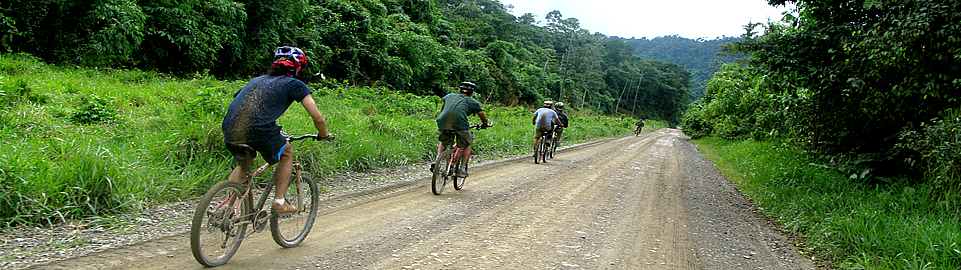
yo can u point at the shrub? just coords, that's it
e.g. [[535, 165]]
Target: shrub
[[939, 145], [96, 110]]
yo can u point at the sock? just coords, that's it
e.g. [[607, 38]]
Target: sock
[[279, 201], [463, 168]]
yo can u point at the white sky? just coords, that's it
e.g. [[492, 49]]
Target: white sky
[[654, 18]]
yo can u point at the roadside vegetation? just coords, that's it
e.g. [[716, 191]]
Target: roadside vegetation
[[849, 221], [843, 123], [81, 143]]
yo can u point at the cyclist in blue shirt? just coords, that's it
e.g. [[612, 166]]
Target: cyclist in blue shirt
[[543, 119], [252, 120]]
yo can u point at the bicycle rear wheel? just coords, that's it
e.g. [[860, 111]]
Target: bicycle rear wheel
[[442, 169], [289, 229], [553, 145], [458, 181], [219, 223], [537, 151], [544, 149]]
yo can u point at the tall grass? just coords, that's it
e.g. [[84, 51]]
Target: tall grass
[[853, 223], [80, 143]]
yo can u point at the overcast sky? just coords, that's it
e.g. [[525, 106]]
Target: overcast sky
[[654, 18]]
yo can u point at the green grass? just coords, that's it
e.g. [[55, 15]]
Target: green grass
[[852, 223], [90, 144]]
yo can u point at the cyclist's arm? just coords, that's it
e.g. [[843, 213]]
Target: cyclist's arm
[[483, 117], [319, 122], [557, 121]]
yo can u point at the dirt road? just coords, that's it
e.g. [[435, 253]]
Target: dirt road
[[647, 202]]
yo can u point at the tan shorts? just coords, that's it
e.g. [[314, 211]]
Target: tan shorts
[[541, 131], [464, 137]]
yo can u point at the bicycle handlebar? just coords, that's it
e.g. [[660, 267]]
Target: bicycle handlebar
[[479, 126], [310, 136]]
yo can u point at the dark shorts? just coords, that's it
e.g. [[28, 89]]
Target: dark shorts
[[559, 130], [270, 149], [464, 137]]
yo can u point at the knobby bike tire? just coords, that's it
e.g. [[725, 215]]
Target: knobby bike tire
[[553, 145], [441, 172], [544, 149], [290, 229], [219, 223], [537, 151], [458, 181]]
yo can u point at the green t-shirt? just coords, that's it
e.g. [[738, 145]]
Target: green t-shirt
[[456, 109]]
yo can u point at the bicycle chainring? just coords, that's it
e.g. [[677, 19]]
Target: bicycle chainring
[[260, 221]]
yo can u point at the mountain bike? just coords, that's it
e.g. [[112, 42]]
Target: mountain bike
[[637, 131], [543, 148], [223, 214], [446, 166]]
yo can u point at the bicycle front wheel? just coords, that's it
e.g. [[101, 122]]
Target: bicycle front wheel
[[289, 229], [219, 223], [442, 169]]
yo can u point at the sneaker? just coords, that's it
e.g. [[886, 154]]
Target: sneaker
[[432, 167], [462, 173], [285, 208]]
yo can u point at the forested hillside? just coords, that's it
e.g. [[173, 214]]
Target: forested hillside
[[701, 57], [416, 46]]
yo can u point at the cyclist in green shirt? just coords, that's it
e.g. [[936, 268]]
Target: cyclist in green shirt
[[452, 122]]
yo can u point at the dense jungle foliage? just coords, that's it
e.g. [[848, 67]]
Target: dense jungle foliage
[[417, 46], [873, 87]]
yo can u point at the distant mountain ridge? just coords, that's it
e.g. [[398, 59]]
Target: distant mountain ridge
[[698, 56]]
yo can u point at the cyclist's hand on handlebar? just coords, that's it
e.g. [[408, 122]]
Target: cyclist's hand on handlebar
[[330, 137]]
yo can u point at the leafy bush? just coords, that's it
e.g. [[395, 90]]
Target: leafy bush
[[96, 110], [939, 146]]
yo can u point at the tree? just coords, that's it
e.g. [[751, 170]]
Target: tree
[[856, 74]]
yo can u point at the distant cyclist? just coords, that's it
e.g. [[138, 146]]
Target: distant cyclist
[[252, 120], [559, 109], [639, 125], [452, 122], [544, 118]]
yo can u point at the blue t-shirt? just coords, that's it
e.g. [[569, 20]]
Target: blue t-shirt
[[252, 116], [545, 117], [456, 109]]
